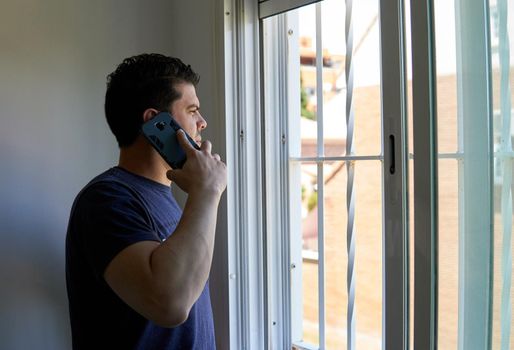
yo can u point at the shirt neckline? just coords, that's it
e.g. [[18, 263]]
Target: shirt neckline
[[150, 182]]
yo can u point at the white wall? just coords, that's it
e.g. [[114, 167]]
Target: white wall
[[54, 58]]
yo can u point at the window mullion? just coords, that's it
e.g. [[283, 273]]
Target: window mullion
[[320, 182], [395, 227], [246, 260], [276, 149], [294, 148], [425, 174]]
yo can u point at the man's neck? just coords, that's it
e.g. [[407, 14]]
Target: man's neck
[[141, 159]]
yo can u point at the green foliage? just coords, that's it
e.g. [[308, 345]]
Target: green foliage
[[312, 202], [303, 102]]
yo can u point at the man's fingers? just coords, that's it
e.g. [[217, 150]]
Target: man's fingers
[[184, 142], [216, 156], [170, 174], [206, 146], [188, 147]]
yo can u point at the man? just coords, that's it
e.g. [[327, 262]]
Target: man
[[136, 266]]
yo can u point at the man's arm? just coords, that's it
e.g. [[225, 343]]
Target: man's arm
[[162, 281]]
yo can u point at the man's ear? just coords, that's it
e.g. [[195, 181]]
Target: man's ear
[[149, 114]]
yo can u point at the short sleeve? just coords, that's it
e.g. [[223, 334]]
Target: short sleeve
[[109, 217]]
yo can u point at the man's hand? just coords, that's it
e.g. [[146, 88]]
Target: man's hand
[[203, 172]]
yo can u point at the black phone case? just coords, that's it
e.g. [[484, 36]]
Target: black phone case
[[161, 132]]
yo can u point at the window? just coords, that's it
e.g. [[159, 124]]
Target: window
[[374, 194], [330, 173]]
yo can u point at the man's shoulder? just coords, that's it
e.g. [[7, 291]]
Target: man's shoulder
[[103, 188], [118, 193]]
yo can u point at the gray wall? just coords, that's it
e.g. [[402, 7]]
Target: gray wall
[[54, 58], [199, 33]]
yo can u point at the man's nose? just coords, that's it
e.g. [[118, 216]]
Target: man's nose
[[202, 123]]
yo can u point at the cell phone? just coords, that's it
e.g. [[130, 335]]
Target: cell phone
[[161, 132]]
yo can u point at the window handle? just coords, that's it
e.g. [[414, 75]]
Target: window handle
[[392, 167]]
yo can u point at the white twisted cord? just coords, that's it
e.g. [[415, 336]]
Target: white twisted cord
[[350, 193]]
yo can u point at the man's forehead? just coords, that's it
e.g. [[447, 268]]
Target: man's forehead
[[188, 98], [191, 101]]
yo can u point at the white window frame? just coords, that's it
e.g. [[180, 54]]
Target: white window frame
[[247, 287], [476, 179], [285, 262]]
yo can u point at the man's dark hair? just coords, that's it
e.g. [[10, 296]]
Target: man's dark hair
[[138, 83]]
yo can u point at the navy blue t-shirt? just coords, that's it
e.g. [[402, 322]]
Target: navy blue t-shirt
[[115, 210]]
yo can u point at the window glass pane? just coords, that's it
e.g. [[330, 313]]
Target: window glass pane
[[309, 179], [366, 132], [446, 58], [336, 256], [368, 258], [334, 81], [307, 209], [366, 77], [448, 267], [502, 29], [368, 264], [310, 268], [310, 299], [450, 219], [306, 326], [448, 248], [308, 78]]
